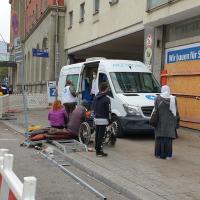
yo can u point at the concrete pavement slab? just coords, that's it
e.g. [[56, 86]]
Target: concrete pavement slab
[[132, 169]]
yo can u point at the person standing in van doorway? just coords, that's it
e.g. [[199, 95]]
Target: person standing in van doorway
[[93, 90], [69, 99], [102, 113]]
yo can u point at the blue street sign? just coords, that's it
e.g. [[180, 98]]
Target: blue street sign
[[40, 53], [52, 92]]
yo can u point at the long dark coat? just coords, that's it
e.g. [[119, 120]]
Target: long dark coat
[[167, 121]]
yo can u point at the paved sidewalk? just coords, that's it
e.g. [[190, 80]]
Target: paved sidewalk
[[132, 169]]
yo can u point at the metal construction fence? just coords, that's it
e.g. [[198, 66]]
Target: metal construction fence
[[15, 101]]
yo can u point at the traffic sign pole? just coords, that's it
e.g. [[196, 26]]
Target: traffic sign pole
[[24, 92]]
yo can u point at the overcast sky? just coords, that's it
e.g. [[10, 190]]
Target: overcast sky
[[5, 20]]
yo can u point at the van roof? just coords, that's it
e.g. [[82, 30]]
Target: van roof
[[114, 65]]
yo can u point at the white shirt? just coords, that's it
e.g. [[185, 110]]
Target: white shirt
[[67, 97], [93, 90]]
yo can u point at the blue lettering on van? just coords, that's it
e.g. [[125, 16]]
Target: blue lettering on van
[[126, 65], [150, 97]]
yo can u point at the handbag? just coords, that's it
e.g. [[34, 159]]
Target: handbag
[[154, 119]]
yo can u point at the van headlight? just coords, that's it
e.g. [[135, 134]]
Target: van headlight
[[132, 110]]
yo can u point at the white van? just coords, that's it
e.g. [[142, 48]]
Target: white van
[[132, 89]]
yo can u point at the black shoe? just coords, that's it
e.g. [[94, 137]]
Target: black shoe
[[113, 139], [101, 154]]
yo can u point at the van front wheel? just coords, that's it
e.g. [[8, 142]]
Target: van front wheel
[[118, 129]]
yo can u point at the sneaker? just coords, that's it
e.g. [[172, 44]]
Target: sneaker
[[101, 154], [169, 158]]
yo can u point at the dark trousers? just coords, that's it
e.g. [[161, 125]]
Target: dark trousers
[[163, 147], [100, 132]]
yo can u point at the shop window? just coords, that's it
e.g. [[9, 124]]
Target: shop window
[[70, 19], [82, 12]]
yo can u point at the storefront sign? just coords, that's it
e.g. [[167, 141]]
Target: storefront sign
[[183, 53]]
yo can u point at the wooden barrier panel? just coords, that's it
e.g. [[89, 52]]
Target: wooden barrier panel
[[184, 81], [189, 109]]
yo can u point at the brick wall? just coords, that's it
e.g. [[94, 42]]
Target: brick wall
[[36, 8]]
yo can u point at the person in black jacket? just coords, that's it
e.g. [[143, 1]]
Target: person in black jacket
[[101, 106]]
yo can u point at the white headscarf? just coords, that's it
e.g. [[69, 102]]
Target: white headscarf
[[165, 93]]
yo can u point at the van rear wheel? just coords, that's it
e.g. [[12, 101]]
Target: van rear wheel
[[118, 129]]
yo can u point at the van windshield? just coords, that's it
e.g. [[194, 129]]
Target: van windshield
[[134, 82]]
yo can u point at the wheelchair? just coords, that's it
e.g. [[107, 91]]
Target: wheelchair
[[87, 129]]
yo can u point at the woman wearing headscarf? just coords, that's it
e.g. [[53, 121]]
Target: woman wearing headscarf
[[165, 130]]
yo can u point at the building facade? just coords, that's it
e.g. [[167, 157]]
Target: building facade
[[17, 34], [164, 34], [43, 31], [102, 28], [176, 33]]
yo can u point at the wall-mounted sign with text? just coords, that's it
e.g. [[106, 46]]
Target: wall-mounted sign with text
[[40, 53], [183, 53]]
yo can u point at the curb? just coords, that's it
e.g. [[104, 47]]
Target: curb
[[125, 187]]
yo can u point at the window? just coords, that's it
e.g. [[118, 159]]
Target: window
[[156, 3], [70, 19], [82, 12], [64, 78], [112, 2], [36, 11], [45, 4], [96, 6], [74, 79], [134, 82], [103, 78]]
